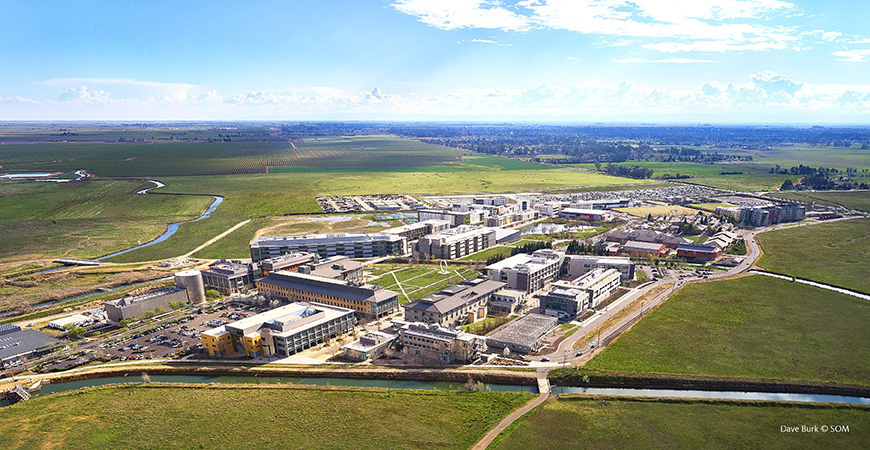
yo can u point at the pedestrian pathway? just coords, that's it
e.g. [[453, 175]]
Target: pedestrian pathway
[[543, 389]]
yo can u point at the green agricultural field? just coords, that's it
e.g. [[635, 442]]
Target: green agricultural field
[[581, 422], [825, 156], [220, 158], [751, 327], [184, 417], [421, 281], [835, 253], [755, 177], [859, 200], [85, 219]]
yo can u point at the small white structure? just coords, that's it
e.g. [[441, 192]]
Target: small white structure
[[77, 319]]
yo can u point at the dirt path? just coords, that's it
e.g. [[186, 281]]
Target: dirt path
[[216, 238]]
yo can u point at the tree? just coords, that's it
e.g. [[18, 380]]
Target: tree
[[148, 314], [74, 331], [212, 294], [159, 310], [649, 217], [787, 185], [125, 322]]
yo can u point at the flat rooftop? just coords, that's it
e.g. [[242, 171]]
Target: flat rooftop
[[17, 342], [525, 331]]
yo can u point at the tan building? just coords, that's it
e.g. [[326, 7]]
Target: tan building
[[434, 342], [456, 305], [282, 331], [369, 302]]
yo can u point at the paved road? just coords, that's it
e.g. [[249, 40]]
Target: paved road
[[565, 353]]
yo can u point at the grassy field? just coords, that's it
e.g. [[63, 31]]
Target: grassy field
[[421, 281], [488, 253], [257, 195], [859, 200], [835, 253], [239, 417], [751, 327], [85, 219], [578, 422], [657, 211]]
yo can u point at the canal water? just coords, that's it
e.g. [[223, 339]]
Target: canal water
[[24, 175], [392, 384], [170, 229], [813, 283], [716, 395]]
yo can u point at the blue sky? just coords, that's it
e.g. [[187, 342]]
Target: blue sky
[[727, 61]]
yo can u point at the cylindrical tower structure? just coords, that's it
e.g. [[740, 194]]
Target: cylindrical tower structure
[[191, 281]]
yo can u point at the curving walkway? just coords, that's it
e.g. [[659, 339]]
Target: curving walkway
[[543, 388]]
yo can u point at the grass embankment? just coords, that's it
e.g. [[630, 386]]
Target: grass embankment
[[834, 253], [582, 422], [751, 327], [85, 219], [154, 416], [859, 200]]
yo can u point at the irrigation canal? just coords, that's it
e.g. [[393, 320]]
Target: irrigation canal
[[453, 386]]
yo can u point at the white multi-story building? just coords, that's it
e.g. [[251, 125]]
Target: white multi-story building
[[581, 264], [526, 272], [455, 242], [575, 297], [352, 245]]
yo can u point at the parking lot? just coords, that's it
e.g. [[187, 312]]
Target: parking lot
[[178, 336]]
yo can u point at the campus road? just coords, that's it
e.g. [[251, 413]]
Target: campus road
[[566, 353]]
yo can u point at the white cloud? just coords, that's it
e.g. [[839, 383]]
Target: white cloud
[[860, 41], [853, 55], [127, 86], [666, 60], [763, 94], [691, 25], [82, 94], [456, 14], [483, 41]]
